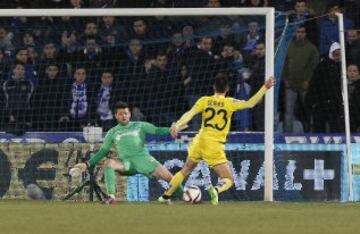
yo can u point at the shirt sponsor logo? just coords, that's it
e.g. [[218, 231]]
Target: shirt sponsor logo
[[121, 135]]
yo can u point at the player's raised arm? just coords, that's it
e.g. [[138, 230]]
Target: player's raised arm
[[241, 104]]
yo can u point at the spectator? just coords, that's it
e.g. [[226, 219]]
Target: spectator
[[104, 115], [242, 119], [6, 39], [324, 96], [164, 90], [70, 44], [230, 62], [249, 40], [18, 93], [68, 25], [19, 25], [91, 58], [225, 36], [353, 78], [28, 40], [76, 4], [22, 56], [319, 6], [329, 29], [210, 24], [140, 30], [201, 66], [202, 69], [50, 100], [109, 26], [109, 39], [301, 11], [161, 26], [301, 60], [304, 15], [3, 65], [188, 34], [213, 4], [91, 30], [79, 109], [177, 49], [49, 52], [130, 83], [49, 55], [352, 46], [352, 9], [33, 56], [45, 29], [257, 66]]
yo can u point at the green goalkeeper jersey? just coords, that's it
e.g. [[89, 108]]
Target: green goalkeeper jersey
[[128, 140]]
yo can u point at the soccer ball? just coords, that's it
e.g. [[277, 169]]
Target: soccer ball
[[192, 194]]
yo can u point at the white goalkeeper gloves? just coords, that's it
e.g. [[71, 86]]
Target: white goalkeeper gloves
[[78, 169]]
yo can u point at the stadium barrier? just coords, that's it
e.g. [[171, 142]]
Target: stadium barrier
[[307, 168], [46, 165]]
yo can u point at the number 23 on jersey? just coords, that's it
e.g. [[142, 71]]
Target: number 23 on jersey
[[216, 119]]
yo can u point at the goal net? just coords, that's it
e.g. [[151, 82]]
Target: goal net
[[64, 69]]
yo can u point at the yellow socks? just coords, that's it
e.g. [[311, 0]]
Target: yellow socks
[[227, 183], [175, 182]]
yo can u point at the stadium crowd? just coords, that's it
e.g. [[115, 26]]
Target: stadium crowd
[[61, 73]]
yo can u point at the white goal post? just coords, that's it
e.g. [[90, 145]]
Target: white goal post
[[269, 14], [346, 102]]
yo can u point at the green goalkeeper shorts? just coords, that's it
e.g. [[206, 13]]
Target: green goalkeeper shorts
[[145, 165]]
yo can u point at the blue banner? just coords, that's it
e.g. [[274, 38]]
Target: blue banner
[[302, 173]]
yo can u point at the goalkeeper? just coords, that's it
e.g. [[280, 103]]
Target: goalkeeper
[[128, 138], [209, 143]]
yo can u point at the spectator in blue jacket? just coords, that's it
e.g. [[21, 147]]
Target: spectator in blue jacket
[[329, 28]]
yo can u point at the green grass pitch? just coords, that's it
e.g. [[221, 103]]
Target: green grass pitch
[[37, 217]]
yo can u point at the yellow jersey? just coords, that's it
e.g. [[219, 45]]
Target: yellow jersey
[[216, 112]]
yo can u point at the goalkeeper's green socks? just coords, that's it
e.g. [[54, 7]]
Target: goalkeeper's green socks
[[226, 184], [110, 181], [175, 183]]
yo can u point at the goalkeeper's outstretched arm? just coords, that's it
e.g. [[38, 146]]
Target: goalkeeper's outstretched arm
[[81, 167], [105, 148], [152, 129], [97, 157]]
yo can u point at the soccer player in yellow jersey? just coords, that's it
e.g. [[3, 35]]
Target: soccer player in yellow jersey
[[209, 143]]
